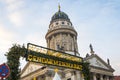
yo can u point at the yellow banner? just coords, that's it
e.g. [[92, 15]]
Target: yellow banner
[[53, 62], [54, 53]]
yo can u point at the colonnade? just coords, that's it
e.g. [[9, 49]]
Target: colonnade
[[97, 76]]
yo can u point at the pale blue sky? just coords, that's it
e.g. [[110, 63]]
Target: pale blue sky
[[96, 21]]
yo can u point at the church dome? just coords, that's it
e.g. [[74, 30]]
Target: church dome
[[60, 15]]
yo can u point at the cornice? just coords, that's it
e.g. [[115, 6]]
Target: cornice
[[60, 30]]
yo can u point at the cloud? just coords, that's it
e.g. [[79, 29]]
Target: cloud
[[36, 38], [16, 18], [13, 5], [6, 37], [14, 9], [9, 1]]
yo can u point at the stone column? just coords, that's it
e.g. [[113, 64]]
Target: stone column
[[78, 75], [107, 77], [74, 46], [73, 75], [81, 76], [72, 43], [69, 42], [54, 45], [48, 43], [94, 76], [61, 40], [101, 77], [47, 77], [111, 78]]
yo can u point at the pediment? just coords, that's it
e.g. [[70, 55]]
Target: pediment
[[29, 68], [98, 62]]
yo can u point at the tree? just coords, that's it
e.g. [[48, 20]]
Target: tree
[[13, 60]]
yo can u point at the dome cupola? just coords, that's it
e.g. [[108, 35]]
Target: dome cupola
[[60, 15]]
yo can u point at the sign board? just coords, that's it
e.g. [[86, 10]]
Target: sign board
[[4, 71], [48, 56], [51, 52]]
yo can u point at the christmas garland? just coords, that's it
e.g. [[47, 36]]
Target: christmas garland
[[86, 71], [13, 56]]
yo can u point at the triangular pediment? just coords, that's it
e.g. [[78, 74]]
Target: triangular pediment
[[29, 68], [96, 61]]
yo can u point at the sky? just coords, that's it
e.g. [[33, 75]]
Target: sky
[[97, 22]]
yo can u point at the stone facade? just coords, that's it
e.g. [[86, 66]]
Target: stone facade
[[47, 73]]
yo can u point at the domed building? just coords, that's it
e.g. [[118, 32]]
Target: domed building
[[62, 36]]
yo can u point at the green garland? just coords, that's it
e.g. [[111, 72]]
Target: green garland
[[86, 71], [13, 56]]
